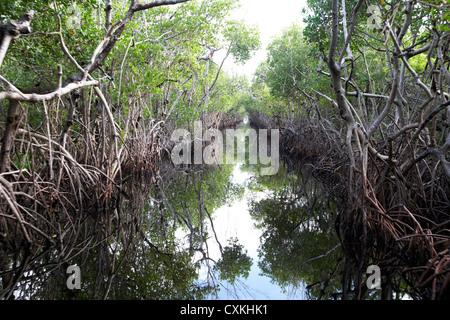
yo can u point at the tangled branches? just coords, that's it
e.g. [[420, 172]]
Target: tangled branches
[[62, 199], [396, 219]]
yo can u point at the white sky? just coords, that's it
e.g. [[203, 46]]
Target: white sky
[[270, 17]]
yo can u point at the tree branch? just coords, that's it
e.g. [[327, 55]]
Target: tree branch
[[34, 97], [13, 30], [140, 7]]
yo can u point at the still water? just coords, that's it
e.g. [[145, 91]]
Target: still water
[[201, 232], [233, 221], [283, 223]]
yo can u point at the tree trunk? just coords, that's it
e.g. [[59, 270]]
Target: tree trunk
[[12, 124]]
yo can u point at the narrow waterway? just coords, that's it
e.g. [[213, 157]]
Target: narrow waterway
[[198, 232], [284, 223], [277, 222], [233, 222]]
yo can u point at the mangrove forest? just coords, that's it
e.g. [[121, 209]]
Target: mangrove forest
[[136, 165]]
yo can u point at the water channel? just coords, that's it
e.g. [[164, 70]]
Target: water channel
[[283, 223], [198, 232], [234, 222]]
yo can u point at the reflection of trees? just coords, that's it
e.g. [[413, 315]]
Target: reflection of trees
[[158, 275], [136, 254], [234, 262], [130, 251], [298, 241], [140, 259], [190, 197], [144, 273]]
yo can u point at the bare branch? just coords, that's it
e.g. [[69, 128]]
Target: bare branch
[[140, 7], [34, 97]]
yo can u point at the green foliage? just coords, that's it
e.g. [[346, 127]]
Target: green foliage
[[37, 55], [230, 94], [290, 63], [163, 62], [234, 262], [317, 20], [288, 76], [156, 57], [297, 228], [418, 62], [243, 40]]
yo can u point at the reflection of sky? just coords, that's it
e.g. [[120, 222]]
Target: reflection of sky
[[234, 221]]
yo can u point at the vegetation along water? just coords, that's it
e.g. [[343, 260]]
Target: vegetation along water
[[350, 108]]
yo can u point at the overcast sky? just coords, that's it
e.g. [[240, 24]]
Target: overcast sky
[[270, 17]]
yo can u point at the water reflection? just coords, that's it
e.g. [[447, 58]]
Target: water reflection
[[234, 222], [298, 242], [204, 232], [284, 224]]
